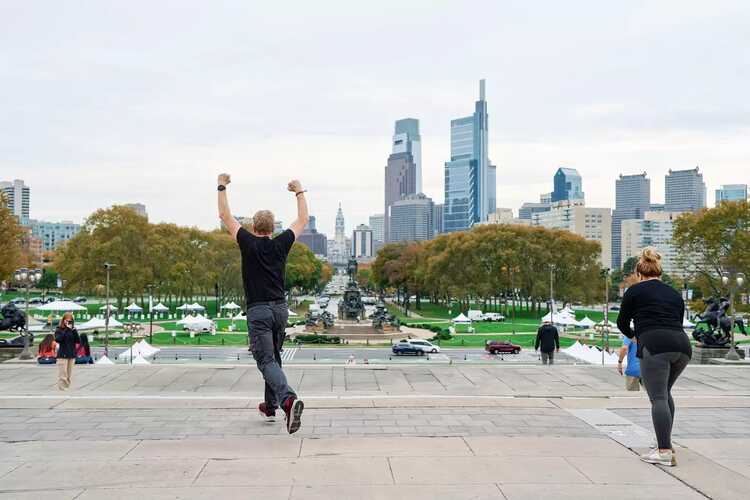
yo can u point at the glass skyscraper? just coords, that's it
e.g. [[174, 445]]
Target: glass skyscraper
[[731, 192], [469, 184], [684, 191], [406, 139], [632, 201], [568, 185]]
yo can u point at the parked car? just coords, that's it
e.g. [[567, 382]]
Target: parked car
[[417, 347], [18, 301], [50, 299], [501, 346], [35, 301], [493, 317], [80, 300]]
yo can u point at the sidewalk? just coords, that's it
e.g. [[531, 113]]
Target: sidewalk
[[373, 433]]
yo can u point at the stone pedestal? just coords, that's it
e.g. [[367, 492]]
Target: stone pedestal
[[702, 355]]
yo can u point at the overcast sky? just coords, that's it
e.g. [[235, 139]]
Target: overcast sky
[[147, 101]]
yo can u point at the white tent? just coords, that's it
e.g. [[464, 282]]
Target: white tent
[[609, 323], [184, 307], [198, 322], [104, 360], [560, 318], [140, 360], [196, 307], [61, 306], [461, 318], [160, 308], [590, 354], [292, 313], [139, 349], [98, 324], [240, 315], [231, 306], [134, 308], [587, 322], [112, 307], [687, 324]]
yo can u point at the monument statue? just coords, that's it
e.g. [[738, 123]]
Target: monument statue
[[714, 325], [351, 306], [318, 321], [14, 320], [383, 320]]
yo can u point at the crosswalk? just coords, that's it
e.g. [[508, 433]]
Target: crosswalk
[[289, 353]]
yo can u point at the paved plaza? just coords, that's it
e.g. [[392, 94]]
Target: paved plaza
[[380, 431]]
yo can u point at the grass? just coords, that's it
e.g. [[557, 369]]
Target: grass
[[524, 340], [165, 338]]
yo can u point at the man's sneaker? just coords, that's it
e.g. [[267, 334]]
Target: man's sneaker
[[268, 414], [293, 408], [659, 458]]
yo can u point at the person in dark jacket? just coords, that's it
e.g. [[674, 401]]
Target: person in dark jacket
[[66, 337], [656, 310], [548, 340]]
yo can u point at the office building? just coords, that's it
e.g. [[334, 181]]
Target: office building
[[528, 209], [406, 139], [568, 185], [468, 193], [400, 181], [376, 224], [684, 191], [53, 234], [315, 241], [632, 201], [545, 198], [437, 218], [592, 223], [139, 208], [653, 230], [18, 199], [656, 207], [362, 243], [501, 216], [731, 192], [412, 218]]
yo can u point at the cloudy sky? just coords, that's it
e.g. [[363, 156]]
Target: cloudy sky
[[147, 101]]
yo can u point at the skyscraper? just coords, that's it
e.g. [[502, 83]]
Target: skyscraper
[[731, 192], [467, 175], [376, 224], [362, 243], [18, 198], [684, 190], [406, 139], [632, 201], [412, 218], [315, 241], [340, 227], [139, 208], [568, 185], [403, 173], [437, 218], [528, 209], [491, 189], [338, 249]]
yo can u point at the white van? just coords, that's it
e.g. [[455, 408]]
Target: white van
[[475, 315]]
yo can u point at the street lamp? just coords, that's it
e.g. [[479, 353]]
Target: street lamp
[[551, 294], [739, 280], [108, 267], [27, 278], [150, 313], [605, 329]]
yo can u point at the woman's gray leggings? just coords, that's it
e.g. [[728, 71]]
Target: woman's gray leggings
[[659, 373]]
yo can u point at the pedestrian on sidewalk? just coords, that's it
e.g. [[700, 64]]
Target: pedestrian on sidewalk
[[263, 262], [633, 369], [66, 337], [548, 339], [663, 348]]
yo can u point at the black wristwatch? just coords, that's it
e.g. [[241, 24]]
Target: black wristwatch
[[221, 187]]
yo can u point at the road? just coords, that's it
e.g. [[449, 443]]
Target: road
[[311, 354]]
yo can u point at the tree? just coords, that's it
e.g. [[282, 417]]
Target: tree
[[11, 235], [48, 281], [714, 241]]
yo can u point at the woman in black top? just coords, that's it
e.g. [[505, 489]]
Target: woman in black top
[[66, 337], [656, 310]]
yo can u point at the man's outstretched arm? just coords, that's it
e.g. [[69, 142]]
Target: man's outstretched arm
[[230, 223], [302, 217]]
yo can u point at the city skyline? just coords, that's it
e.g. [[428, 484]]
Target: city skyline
[[116, 115]]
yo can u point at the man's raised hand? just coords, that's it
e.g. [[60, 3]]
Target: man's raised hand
[[294, 186], [224, 179]]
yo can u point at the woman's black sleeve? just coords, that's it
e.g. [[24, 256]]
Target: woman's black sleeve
[[626, 314]]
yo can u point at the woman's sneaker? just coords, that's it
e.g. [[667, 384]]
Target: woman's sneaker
[[659, 458], [293, 408], [654, 446], [268, 414]]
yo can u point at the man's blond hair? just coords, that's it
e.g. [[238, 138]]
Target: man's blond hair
[[263, 222]]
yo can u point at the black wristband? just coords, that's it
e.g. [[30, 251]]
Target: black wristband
[[221, 187], [300, 192]]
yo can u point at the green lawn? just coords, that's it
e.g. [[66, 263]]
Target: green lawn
[[165, 338]]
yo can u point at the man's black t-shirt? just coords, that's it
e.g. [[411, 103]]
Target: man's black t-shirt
[[547, 338], [263, 262]]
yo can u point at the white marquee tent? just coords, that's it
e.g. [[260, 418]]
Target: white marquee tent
[[98, 324], [61, 306], [461, 318]]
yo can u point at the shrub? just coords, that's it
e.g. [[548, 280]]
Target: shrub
[[317, 339]]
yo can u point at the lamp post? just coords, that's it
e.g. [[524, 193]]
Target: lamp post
[[27, 277], [739, 280], [605, 329], [108, 267], [151, 313]]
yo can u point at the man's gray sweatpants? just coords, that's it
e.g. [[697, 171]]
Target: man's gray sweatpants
[[266, 324]]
